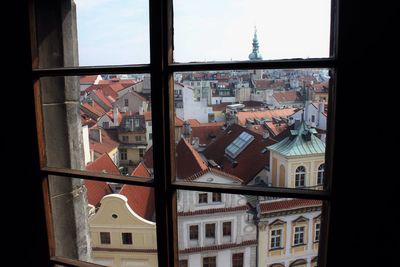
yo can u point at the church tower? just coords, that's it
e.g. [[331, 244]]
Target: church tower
[[256, 55]]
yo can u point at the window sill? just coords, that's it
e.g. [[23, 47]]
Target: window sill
[[275, 249], [298, 245]]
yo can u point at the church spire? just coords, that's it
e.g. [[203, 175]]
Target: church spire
[[255, 55]]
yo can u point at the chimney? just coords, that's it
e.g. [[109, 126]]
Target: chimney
[[186, 130], [95, 134], [265, 134], [115, 116], [297, 124]]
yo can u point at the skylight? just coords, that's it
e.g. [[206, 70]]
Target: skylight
[[239, 144]]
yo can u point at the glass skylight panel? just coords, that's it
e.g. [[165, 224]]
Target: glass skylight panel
[[239, 144]]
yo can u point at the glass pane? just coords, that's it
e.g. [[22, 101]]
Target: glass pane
[[99, 123], [112, 225], [246, 226], [224, 30], [252, 127], [106, 32]]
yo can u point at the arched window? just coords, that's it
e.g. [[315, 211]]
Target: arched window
[[320, 175], [300, 176]]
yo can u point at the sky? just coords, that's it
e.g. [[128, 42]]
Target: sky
[[113, 32]]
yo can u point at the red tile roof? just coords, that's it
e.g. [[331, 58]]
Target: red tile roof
[[213, 211], [321, 87], [188, 160], [243, 115], [193, 122], [219, 247], [207, 132], [103, 98], [108, 143], [96, 190], [288, 96], [111, 116], [103, 164], [94, 110], [263, 84], [178, 122], [140, 199], [147, 116], [88, 79], [148, 158], [249, 162], [276, 128], [220, 107], [105, 88], [141, 171], [288, 204]]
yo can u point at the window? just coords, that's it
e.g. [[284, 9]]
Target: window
[[276, 237], [312, 118], [141, 152], [162, 65], [239, 144], [237, 260], [125, 139], [183, 263], [300, 176], [317, 231], [106, 124], [216, 197], [138, 138], [194, 232], [123, 154], [210, 262], [150, 136], [299, 235], [126, 102], [203, 198], [226, 228], [127, 238], [320, 174], [210, 230], [105, 238]]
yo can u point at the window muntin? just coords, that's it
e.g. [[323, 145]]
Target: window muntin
[[127, 238], [203, 198], [210, 230], [320, 175], [105, 238], [194, 232], [237, 260], [300, 176], [226, 228], [216, 197], [298, 238], [209, 261], [276, 238]]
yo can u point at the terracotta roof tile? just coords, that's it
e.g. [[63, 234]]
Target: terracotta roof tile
[[218, 247], [94, 110], [108, 143], [188, 160], [148, 158], [249, 162], [141, 171], [206, 132], [147, 116], [243, 115], [105, 88], [178, 122], [288, 96], [213, 211], [88, 79], [276, 128], [140, 199], [96, 190], [103, 98], [288, 204]]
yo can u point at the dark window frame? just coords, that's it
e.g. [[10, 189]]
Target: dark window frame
[[194, 232], [161, 69], [227, 230], [209, 230], [105, 238], [237, 259], [127, 238]]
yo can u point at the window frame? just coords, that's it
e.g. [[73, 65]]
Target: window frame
[[161, 68], [274, 237]]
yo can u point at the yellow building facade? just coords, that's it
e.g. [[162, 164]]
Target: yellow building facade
[[120, 237]]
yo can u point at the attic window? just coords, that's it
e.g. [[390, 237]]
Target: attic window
[[239, 144]]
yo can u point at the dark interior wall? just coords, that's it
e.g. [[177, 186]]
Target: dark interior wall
[[363, 226]]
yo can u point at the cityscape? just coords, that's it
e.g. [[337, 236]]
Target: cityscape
[[263, 128]]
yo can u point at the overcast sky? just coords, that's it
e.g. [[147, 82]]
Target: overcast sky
[[117, 31]]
